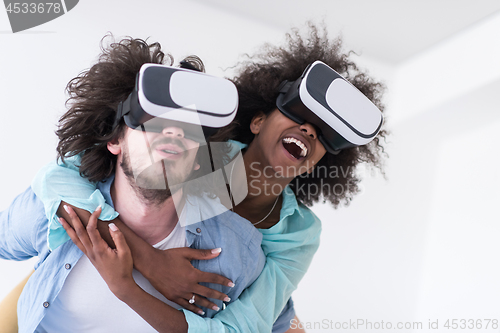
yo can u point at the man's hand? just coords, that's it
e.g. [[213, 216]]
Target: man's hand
[[173, 275]]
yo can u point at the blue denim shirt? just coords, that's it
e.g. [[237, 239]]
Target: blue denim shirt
[[23, 234]]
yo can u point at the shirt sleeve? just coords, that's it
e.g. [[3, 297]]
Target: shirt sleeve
[[22, 228], [288, 256], [58, 181]]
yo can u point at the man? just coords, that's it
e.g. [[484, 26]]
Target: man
[[66, 292]]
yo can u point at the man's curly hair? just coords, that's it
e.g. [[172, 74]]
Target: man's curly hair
[[257, 82], [94, 95]]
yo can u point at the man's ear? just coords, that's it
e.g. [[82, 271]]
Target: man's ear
[[257, 122], [114, 147], [196, 166]]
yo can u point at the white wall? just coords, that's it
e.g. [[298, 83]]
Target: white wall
[[422, 245], [417, 246]]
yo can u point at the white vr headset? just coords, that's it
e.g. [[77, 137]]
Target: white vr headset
[[203, 103], [344, 116]]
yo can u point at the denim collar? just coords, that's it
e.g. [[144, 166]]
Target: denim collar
[[196, 210]]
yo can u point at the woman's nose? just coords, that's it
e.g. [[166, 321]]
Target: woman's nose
[[309, 129]]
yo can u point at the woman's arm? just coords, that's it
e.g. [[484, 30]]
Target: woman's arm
[[162, 267], [255, 310], [62, 181], [115, 266], [257, 302]]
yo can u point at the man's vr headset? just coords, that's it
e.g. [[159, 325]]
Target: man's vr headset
[[165, 96], [344, 116]]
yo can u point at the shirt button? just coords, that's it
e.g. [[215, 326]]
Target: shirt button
[[46, 304], [198, 230], [67, 266]]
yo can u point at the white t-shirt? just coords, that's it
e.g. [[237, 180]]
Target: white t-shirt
[[85, 303]]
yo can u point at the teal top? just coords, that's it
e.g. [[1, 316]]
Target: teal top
[[289, 247], [58, 180]]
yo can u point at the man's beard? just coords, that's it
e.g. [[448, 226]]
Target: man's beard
[[145, 186]]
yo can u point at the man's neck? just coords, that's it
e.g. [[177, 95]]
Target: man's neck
[[151, 222]]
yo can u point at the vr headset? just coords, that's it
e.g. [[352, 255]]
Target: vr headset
[[164, 95], [344, 116]]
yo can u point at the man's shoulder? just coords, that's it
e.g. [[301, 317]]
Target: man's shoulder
[[222, 224], [27, 204], [230, 227], [23, 227], [241, 259], [30, 210]]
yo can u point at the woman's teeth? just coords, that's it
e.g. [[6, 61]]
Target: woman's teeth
[[299, 143]]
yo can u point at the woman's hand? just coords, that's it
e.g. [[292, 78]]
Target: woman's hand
[[169, 271], [174, 276], [114, 265]]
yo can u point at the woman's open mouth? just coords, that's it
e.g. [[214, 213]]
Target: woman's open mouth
[[295, 147]]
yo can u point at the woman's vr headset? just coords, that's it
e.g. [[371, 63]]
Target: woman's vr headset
[[344, 116], [166, 95]]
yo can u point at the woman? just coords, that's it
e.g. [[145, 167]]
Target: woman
[[286, 226]]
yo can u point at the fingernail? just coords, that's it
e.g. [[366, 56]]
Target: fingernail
[[217, 250], [61, 220], [113, 227], [227, 299], [230, 284], [201, 313], [98, 207], [66, 208], [215, 307]]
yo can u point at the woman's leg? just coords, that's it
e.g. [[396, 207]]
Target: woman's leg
[[8, 308]]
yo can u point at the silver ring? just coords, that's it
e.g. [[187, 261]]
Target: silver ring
[[191, 300]]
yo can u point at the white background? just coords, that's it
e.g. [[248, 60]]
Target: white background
[[421, 244]]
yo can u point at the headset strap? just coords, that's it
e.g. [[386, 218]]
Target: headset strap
[[285, 86], [123, 109]]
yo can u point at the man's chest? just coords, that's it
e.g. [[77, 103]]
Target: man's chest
[[85, 304]]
